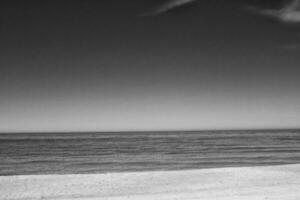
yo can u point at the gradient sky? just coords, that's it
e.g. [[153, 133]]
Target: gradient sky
[[110, 65]]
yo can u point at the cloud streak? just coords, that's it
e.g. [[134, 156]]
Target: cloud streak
[[290, 13], [169, 5]]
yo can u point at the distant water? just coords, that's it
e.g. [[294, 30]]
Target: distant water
[[64, 153]]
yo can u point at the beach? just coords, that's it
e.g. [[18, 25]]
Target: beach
[[238, 183]]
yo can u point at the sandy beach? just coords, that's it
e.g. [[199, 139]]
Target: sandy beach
[[241, 183]]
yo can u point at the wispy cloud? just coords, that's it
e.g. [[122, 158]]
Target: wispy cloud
[[169, 5], [290, 47], [290, 13]]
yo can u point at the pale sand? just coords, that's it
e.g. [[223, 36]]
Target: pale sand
[[245, 183]]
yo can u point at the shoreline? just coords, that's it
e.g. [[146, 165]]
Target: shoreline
[[153, 170], [261, 182]]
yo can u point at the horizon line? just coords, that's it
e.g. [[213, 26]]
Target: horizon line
[[146, 131]]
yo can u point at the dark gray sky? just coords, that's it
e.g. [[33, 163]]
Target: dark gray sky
[[109, 65]]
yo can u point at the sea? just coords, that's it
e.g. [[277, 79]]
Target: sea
[[84, 153]]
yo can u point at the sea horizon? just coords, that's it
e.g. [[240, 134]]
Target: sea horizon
[[154, 130]]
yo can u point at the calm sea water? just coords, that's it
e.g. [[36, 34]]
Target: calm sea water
[[63, 153]]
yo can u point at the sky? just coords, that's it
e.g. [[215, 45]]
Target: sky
[[122, 65]]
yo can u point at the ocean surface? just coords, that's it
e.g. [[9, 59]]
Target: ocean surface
[[72, 153]]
